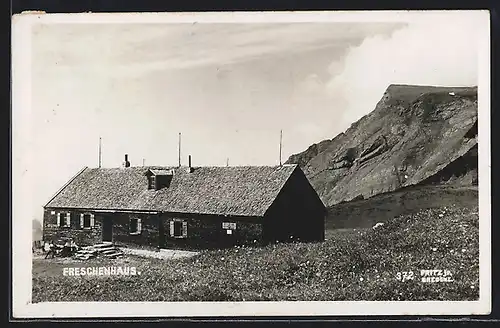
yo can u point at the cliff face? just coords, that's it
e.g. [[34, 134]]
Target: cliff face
[[415, 135]]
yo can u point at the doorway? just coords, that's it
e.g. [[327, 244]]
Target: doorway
[[107, 228]]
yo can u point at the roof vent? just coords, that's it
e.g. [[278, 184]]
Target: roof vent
[[189, 168], [126, 163]]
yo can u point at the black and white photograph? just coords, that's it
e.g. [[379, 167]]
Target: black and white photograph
[[265, 163]]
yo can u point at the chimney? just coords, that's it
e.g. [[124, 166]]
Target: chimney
[[190, 168], [126, 163]]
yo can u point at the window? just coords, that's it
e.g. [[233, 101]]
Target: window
[[178, 229], [135, 226], [163, 181], [158, 179], [152, 182], [86, 220], [64, 219]]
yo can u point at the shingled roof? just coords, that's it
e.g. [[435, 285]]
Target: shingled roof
[[236, 191]]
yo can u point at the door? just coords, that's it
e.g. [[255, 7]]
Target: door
[[107, 228]]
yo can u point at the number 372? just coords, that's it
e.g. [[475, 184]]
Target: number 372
[[404, 276]]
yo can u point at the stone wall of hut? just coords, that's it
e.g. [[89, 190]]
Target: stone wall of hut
[[206, 232], [197, 231], [81, 236], [147, 237]]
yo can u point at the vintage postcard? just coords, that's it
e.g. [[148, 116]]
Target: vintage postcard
[[251, 164]]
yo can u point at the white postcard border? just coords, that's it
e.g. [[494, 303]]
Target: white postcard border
[[21, 220]]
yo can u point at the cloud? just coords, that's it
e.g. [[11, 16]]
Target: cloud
[[128, 50], [430, 52]]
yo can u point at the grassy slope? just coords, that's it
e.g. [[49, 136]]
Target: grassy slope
[[350, 265]]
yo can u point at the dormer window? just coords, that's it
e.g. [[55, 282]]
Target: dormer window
[[152, 182], [158, 179]]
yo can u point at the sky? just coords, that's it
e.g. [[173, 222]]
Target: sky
[[229, 88]]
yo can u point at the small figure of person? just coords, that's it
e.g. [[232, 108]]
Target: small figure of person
[[66, 249], [74, 246], [51, 250]]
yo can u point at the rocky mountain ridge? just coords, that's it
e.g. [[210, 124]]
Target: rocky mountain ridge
[[415, 135]]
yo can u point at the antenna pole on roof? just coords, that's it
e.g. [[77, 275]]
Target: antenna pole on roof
[[227, 161], [143, 160], [99, 152], [179, 149], [281, 143]]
